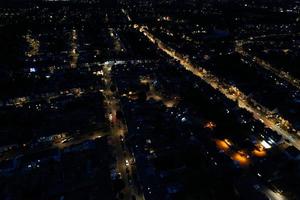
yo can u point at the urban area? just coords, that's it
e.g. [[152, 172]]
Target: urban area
[[150, 99]]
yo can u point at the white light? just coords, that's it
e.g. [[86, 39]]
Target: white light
[[258, 174], [271, 141], [266, 145], [32, 70], [110, 117]]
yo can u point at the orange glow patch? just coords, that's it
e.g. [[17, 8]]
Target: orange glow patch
[[223, 145], [259, 151], [210, 125], [241, 157]]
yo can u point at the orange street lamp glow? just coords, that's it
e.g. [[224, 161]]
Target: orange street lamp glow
[[259, 151], [241, 157], [223, 145]]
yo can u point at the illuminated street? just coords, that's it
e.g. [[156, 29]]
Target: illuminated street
[[124, 159], [149, 100], [281, 126]]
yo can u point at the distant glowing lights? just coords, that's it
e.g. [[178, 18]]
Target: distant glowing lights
[[32, 70]]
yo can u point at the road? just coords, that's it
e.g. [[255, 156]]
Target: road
[[74, 54], [77, 139], [239, 48], [259, 112], [272, 195], [124, 159]]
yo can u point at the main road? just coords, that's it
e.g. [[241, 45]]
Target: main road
[[276, 123]]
